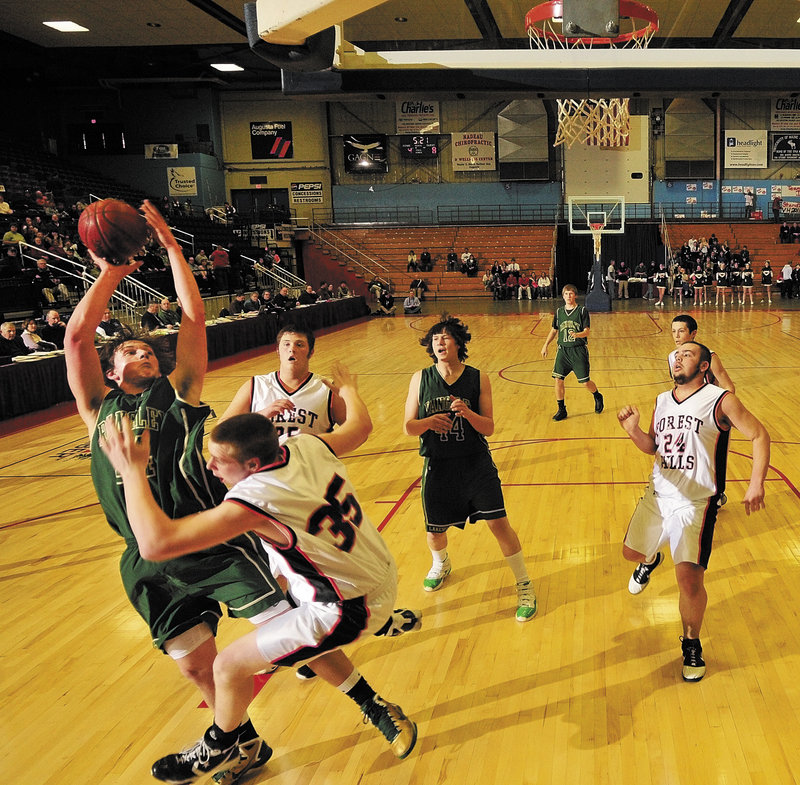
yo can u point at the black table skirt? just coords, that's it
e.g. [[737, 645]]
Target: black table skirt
[[33, 386]]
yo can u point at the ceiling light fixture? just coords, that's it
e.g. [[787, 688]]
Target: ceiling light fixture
[[67, 27], [154, 24], [401, 19], [227, 67]]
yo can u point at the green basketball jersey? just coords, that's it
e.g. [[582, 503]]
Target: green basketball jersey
[[179, 480], [435, 398], [569, 322]]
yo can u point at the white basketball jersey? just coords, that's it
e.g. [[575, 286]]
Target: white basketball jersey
[[691, 444], [335, 552], [312, 401]]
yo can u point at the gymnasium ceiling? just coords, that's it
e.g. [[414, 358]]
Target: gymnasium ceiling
[[177, 40]]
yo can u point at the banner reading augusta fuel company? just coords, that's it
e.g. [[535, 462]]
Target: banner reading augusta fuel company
[[746, 149], [271, 140], [474, 152]]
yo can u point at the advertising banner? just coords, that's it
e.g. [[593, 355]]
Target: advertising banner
[[365, 153], [271, 140], [182, 181], [474, 151], [785, 115], [745, 149], [161, 151], [306, 193], [785, 147], [416, 117]]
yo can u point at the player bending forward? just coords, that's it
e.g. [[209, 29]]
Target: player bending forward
[[689, 435], [295, 495]]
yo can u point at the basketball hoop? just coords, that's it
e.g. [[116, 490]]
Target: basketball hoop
[[602, 122], [597, 236]]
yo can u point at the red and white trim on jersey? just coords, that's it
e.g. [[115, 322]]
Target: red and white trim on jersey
[[313, 403]]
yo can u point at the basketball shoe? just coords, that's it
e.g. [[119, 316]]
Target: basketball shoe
[[204, 758], [401, 621], [641, 575], [526, 601], [436, 575], [694, 666], [389, 719], [253, 754]]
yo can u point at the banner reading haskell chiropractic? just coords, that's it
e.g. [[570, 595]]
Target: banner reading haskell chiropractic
[[416, 117], [474, 151], [182, 181], [745, 149]]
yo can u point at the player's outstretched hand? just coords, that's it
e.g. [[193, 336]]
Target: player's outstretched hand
[[123, 448], [628, 417], [544, 351], [276, 407], [754, 498], [157, 223], [341, 378]]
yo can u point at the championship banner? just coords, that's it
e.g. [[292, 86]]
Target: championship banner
[[745, 149], [271, 140], [306, 193], [416, 117], [365, 153], [785, 115], [182, 181], [785, 147], [474, 151], [161, 151]]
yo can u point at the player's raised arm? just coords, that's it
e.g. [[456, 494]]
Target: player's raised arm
[[721, 375], [191, 353], [84, 372], [745, 422], [357, 425], [629, 418]]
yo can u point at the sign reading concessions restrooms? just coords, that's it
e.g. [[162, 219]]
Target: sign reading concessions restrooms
[[746, 149], [306, 193], [785, 115], [271, 140], [416, 117], [474, 151], [182, 180]]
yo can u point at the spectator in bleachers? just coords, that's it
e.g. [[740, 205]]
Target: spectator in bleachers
[[777, 203], [386, 306], [109, 326], [32, 339], [51, 287], [150, 319], [412, 266], [486, 280], [465, 259], [307, 297], [425, 261], [419, 286], [795, 233], [524, 285], [375, 287], [267, 303], [54, 329], [472, 267], [12, 236], [11, 344], [237, 304], [544, 286], [166, 315], [9, 262], [785, 233], [283, 301], [452, 260], [253, 303], [343, 291], [324, 292], [200, 257], [412, 304], [219, 257], [511, 285], [5, 207]]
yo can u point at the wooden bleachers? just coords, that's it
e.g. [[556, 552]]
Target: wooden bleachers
[[531, 246]]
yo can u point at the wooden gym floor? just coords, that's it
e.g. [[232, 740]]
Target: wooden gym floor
[[588, 692]]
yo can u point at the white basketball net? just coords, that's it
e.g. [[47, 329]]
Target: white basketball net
[[594, 121]]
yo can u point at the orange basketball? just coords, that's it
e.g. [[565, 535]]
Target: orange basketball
[[113, 230]]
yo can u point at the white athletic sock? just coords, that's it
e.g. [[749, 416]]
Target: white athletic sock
[[439, 556], [350, 681], [517, 564]]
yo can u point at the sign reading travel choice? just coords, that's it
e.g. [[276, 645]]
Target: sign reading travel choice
[[269, 140]]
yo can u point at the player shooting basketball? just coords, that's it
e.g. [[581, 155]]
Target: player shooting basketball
[[132, 383]]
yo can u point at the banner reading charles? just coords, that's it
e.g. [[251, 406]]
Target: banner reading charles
[[474, 151], [271, 140]]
